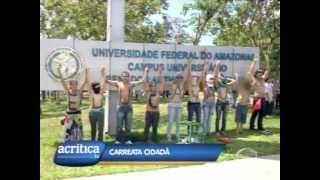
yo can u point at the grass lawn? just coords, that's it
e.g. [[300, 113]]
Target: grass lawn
[[51, 134]]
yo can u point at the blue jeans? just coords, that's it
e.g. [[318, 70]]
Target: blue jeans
[[207, 114], [174, 114], [96, 117], [221, 110], [124, 114]]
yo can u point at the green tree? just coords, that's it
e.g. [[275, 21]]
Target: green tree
[[138, 26], [82, 19], [254, 23], [204, 15], [86, 20], [175, 29]]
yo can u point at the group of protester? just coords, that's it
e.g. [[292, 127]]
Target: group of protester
[[206, 92]]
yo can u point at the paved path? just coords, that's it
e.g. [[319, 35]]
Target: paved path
[[262, 168]]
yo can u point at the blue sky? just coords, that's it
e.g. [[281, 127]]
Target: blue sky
[[174, 10]]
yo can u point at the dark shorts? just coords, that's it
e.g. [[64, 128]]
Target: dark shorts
[[241, 114]]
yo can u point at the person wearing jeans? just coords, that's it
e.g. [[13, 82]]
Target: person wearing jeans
[[175, 102], [124, 115], [207, 109], [221, 112], [124, 109], [174, 114], [209, 99], [223, 86], [96, 114]]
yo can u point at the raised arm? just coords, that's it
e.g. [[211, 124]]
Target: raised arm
[[136, 83], [187, 72], [107, 81], [103, 83], [85, 82], [88, 82], [205, 71], [216, 72], [146, 83], [63, 82], [251, 71], [162, 82], [266, 73], [252, 67]]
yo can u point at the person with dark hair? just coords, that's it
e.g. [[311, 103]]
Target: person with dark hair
[[152, 115], [72, 122], [258, 79], [96, 114], [124, 109]]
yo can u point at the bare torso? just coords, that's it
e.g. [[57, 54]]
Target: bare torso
[[97, 100], [124, 92], [74, 101], [243, 98], [259, 88], [209, 94], [153, 101], [176, 93], [194, 91], [222, 92]]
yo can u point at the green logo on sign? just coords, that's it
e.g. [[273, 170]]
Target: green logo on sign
[[70, 61]]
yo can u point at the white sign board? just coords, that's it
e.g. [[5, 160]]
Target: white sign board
[[134, 57]]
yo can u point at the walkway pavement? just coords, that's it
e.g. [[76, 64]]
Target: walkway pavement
[[262, 168]]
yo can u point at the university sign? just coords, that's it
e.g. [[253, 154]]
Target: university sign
[[134, 57]]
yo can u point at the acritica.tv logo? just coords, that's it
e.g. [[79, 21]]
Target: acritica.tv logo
[[78, 149], [79, 153]]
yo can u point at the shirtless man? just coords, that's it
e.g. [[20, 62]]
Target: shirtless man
[[124, 109], [258, 79], [72, 123], [152, 92], [209, 98], [96, 114], [175, 101], [223, 86]]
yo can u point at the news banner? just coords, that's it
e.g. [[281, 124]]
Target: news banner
[[86, 153]]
